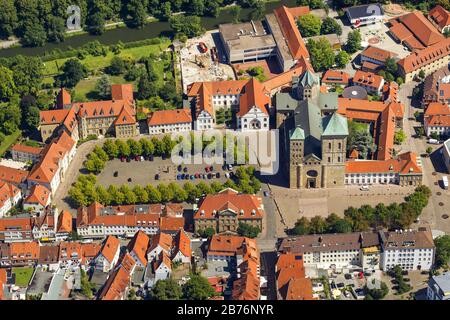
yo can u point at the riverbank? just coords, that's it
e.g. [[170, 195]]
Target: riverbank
[[150, 30]]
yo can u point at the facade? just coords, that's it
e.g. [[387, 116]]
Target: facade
[[412, 250], [108, 255], [364, 14], [18, 254], [96, 221], [169, 121], [248, 99], [428, 60], [38, 199], [436, 87], [440, 18], [446, 154], [80, 119], [437, 119], [51, 169], [371, 82], [314, 135], [404, 171], [224, 211], [10, 196], [24, 153], [16, 229], [439, 287]]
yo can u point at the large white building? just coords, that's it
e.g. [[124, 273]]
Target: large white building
[[412, 250], [170, 121]]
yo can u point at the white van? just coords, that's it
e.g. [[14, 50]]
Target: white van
[[445, 182], [364, 188]]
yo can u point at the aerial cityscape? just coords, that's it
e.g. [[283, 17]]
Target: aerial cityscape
[[224, 150]]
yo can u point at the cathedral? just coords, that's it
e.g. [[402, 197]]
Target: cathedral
[[312, 134]]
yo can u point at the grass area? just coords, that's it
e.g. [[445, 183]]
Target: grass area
[[9, 140], [358, 126], [23, 276], [98, 62]]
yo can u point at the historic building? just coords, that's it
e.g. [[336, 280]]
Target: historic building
[[80, 119], [223, 212], [313, 133]]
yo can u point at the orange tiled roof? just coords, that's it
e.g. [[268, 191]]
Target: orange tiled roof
[[183, 243], [171, 223], [7, 191], [125, 117], [70, 250], [291, 281], [367, 79], [226, 245], [244, 205], [90, 251], [2, 281], [56, 116], [122, 92], [139, 245], [19, 224], [117, 284], [163, 257], [440, 16], [110, 247], [173, 209], [291, 33], [169, 117], [163, 240], [405, 163], [39, 194], [335, 76], [21, 250], [437, 108], [12, 175], [378, 53], [64, 222], [418, 59], [283, 79], [63, 98], [438, 121], [255, 95], [26, 149], [422, 29]]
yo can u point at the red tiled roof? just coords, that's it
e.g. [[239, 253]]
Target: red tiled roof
[[64, 222], [122, 92], [26, 149], [56, 116], [335, 76], [377, 53], [422, 29], [169, 117], [163, 240], [440, 16], [418, 59], [7, 191], [367, 79], [110, 247], [244, 205], [255, 95], [12, 175], [182, 243], [291, 33], [117, 284], [39, 194], [171, 223], [19, 224], [437, 108], [405, 163], [283, 79], [63, 98], [139, 245], [291, 281], [438, 121]]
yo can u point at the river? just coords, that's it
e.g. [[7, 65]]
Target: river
[[124, 34]]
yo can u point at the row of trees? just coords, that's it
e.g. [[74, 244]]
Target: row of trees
[[311, 25], [36, 22], [393, 216], [244, 230], [86, 191], [196, 288], [323, 56]]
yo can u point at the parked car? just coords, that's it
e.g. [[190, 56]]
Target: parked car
[[150, 157], [116, 173], [185, 169], [364, 188], [179, 168], [186, 177], [347, 276], [433, 141], [218, 175], [266, 194], [207, 169], [157, 176], [137, 158], [178, 176], [192, 177], [122, 159], [128, 159], [130, 180], [227, 175]]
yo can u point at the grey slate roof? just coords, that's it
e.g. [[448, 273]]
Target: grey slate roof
[[443, 282], [328, 101]]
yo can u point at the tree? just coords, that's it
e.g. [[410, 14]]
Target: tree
[[117, 66], [166, 289], [56, 29], [103, 87], [73, 72], [235, 12], [137, 13], [187, 25], [197, 288], [135, 147], [166, 193], [391, 66], [317, 225], [146, 89], [376, 294], [191, 190], [27, 73], [206, 233], [309, 25], [147, 146], [95, 20], [179, 194], [7, 85], [301, 227], [154, 196], [359, 138], [442, 244], [8, 19], [123, 148], [342, 59], [329, 26], [99, 152], [322, 54], [247, 230], [129, 196], [421, 74], [34, 35], [353, 41], [399, 137], [111, 149], [86, 286], [103, 195], [259, 12], [94, 164], [32, 117]]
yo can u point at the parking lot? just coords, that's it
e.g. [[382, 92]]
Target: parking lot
[[145, 172]]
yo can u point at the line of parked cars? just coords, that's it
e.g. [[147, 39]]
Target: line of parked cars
[[136, 158]]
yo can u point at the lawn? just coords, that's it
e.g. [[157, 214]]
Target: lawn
[[358, 126], [86, 86], [23, 276], [99, 62], [9, 140]]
